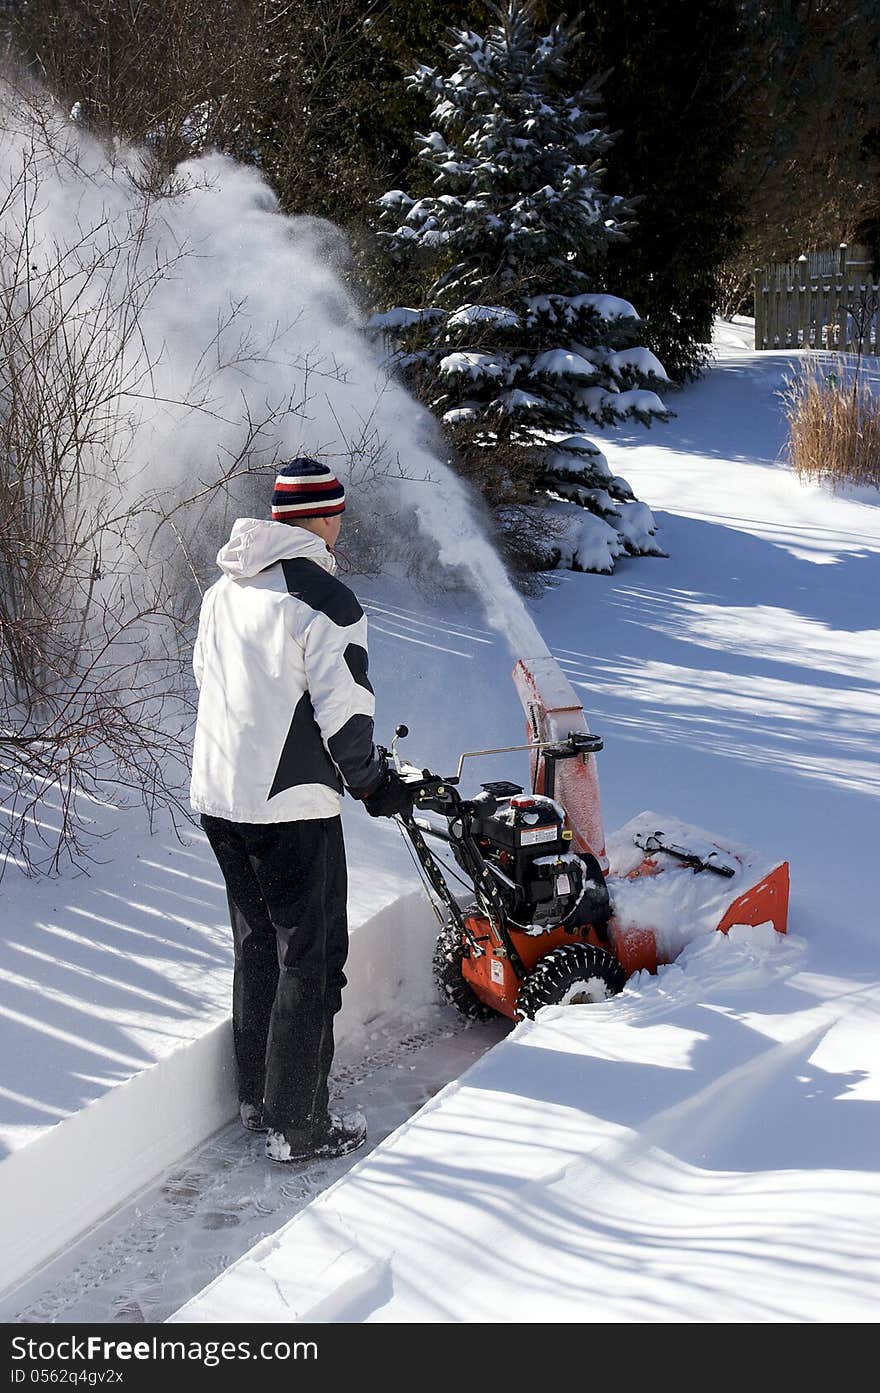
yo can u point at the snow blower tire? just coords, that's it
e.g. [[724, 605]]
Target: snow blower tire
[[448, 956], [574, 974]]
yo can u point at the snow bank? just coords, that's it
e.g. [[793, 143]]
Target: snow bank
[[705, 1146], [117, 978], [69, 1177], [733, 336]]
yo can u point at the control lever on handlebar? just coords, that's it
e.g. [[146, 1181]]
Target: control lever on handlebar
[[400, 734], [421, 781]]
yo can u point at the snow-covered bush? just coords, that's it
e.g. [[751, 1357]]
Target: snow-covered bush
[[514, 349]]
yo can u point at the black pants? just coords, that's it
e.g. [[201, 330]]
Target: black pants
[[287, 885]]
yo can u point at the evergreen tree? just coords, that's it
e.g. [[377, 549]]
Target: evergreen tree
[[513, 348]]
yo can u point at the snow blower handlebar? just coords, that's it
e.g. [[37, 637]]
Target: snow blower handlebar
[[437, 793], [576, 743], [432, 793]]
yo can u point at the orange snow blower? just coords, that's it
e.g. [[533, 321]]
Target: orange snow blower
[[552, 916]]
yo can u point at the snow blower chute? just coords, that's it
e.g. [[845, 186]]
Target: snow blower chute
[[552, 916]]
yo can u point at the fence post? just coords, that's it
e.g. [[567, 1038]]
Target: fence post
[[759, 308], [843, 300], [802, 329], [826, 313]]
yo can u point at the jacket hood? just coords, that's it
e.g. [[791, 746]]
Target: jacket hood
[[256, 543]]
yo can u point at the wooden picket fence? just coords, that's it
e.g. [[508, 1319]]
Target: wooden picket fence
[[827, 300]]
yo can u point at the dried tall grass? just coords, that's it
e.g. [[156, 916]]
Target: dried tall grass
[[834, 425]]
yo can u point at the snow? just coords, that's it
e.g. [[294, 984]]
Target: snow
[[644, 405], [578, 444], [497, 315], [395, 198], [434, 141], [677, 905], [575, 464], [605, 306], [473, 365], [658, 1163], [636, 523], [401, 317], [598, 400], [638, 402], [587, 542], [517, 401], [558, 362], [566, 308], [468, 411], [218, 1201], [735, 335], [703, 1147], [637, 360]]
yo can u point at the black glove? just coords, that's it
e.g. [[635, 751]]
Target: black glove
[[390, 796]]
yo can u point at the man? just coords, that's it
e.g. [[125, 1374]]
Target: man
[[285, 719]]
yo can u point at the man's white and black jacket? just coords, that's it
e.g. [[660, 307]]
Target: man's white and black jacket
[[285, 704]]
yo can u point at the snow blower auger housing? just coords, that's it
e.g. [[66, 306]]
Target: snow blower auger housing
[[551, 916]]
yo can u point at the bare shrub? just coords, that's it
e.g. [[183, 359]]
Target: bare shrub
[[174, 73], [834, 424]]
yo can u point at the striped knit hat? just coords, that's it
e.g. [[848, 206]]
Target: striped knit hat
[[305, 488]]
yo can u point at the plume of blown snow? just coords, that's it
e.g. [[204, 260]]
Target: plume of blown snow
[[240, 346]]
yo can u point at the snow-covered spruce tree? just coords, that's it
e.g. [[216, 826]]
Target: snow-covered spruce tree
[[512, 347]]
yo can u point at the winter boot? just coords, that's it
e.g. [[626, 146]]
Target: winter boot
[[335, 1136], [251, 1115]]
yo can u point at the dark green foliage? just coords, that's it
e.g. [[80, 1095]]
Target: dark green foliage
[[318, 131], [673, 95]]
